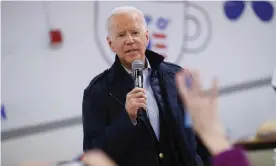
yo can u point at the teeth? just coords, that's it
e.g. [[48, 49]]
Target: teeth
[[131, 51]]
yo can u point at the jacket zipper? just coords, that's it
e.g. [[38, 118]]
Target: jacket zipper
[[116, 99]]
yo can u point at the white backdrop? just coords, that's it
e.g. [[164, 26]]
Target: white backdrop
[[40, 84]]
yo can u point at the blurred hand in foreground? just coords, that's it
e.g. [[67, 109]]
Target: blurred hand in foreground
[[97, 158], [203, 108]]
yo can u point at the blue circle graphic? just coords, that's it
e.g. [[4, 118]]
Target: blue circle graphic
[[233, 9], [264, 10]]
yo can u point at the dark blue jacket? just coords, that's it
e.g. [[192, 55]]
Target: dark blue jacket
[[106, 124]]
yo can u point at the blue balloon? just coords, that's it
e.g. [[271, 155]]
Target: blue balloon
[[264, 10], [233, 9]]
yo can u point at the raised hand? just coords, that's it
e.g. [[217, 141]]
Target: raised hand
[[203, 108]]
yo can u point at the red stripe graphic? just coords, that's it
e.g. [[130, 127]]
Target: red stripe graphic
[[159, 35], [160, 46]]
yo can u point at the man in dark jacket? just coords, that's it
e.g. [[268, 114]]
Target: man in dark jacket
[[110, 103]]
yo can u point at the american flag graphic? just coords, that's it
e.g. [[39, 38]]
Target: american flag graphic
[[158, 35]]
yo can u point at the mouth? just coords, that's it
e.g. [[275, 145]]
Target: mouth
[[131, 51]]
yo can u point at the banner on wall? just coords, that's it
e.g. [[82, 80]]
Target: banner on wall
[[168, 31]]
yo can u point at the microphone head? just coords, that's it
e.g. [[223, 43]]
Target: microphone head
[[273, 80], [137, 65]]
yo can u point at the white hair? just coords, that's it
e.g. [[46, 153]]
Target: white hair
[[124, 10]]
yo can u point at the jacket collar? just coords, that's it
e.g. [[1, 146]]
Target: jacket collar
[[121, 82], [154, 58]]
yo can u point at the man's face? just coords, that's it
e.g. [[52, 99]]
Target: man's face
[[128, 38]]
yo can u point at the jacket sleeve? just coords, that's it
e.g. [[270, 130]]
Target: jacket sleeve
[[203, 152], [231, 157], [194, 141], [112, 138]]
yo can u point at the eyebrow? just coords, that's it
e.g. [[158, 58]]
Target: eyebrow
[[134, 29], [120, 32]]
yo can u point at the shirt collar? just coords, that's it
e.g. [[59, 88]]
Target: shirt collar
[[148, 67]]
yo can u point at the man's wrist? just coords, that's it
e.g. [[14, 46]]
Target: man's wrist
[[216, 144]]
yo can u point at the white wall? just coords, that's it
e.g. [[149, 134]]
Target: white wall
[[40, 84]]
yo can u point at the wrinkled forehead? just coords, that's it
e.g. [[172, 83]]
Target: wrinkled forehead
[[126, 21]]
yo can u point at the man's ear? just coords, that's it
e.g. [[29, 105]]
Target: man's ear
[[110, 43]]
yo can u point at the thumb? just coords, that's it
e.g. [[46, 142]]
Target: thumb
[[214, 89]]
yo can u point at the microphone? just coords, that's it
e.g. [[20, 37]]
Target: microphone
[[137, 67], [273, 80]]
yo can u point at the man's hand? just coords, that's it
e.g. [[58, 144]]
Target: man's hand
[[135, 99]]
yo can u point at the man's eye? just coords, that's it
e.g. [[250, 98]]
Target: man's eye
[[135, 33], [121, 35]]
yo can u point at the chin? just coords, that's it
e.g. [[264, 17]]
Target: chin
[[131, 58]]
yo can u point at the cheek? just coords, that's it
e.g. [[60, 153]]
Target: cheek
[[118, 47], [143, 44]]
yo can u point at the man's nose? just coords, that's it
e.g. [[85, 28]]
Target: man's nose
[[129, 39]]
